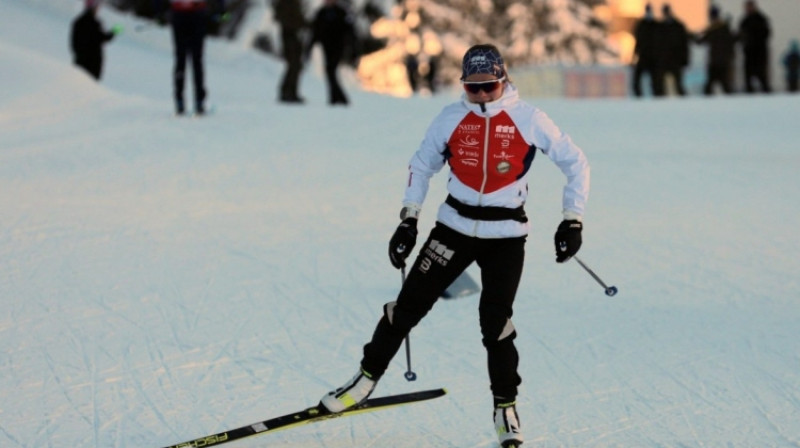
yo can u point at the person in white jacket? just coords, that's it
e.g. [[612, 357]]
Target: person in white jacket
[[489, 139]]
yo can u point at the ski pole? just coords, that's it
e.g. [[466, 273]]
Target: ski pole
[[410, 375], [610, 290]]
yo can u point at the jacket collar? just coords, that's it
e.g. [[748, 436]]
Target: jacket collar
[[510, 96]]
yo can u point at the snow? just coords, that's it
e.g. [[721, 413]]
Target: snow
[[166, 278]]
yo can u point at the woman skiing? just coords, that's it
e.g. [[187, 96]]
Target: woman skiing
[[489, 139]]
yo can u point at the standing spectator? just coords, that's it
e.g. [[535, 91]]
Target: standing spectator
[[190, 20], [289, 14], [754, 34], [87, 39], [792, 63], [333, 28], [430, 77], [412, 70], [647, 54], [676, 48], [721, 42]]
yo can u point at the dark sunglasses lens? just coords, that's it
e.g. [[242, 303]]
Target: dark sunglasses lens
[[487, 87]]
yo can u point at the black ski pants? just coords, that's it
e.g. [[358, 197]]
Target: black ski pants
[[188, 34], [445, 255]]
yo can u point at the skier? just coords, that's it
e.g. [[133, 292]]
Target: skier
[[489, 139], [87, 39]]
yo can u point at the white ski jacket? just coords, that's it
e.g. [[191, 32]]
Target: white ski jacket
[[489, 153]]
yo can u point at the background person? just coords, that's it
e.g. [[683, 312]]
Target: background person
[[87, 38], [648, 54], [190, 20], [333, 28], [289, 14], [721, 42], [791, 62], [754, 34], [676, 48]]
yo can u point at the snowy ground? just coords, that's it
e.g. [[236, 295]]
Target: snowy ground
[[166, 278]]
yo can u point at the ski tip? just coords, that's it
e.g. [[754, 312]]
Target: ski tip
[[436, 392]]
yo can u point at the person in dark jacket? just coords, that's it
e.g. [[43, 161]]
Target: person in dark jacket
[[720, 40], [647, 53], [791, 61], [754, 34], [333, 28], [289, 14], [676, 48], [87, 39]]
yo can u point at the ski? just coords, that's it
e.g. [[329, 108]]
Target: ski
[[309, 415]]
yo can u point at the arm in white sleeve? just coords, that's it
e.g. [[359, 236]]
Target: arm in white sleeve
[[570, 160], [427, 161]]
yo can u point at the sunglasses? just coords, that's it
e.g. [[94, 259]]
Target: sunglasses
[[486, 86]]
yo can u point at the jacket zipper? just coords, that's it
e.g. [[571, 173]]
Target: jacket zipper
[[485, 171]]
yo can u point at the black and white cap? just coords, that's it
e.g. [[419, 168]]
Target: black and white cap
[[483, 58]]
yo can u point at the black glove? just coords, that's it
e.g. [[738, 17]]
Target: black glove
[[568, 239], [402, 242]]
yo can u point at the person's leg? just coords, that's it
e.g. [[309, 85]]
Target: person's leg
[[657, 81], [292, 55], [333, 57], [763, 75], [197, 42], [749, 74], [501, 264], [637, 80], [725, 79], [708, 88], [180, 47], [677, 76], [442, 258]]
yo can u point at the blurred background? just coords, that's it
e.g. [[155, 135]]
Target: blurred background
[[554, 48]]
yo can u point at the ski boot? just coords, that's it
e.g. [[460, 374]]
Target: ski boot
[[351, 394], [506, 422]]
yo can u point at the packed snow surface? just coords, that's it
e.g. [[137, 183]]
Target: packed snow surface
[[165, 278]]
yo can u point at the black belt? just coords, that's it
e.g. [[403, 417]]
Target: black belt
[[486, 213]]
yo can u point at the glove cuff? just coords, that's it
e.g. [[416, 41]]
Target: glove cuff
[[570, 226], [569, 215], [410, 211]]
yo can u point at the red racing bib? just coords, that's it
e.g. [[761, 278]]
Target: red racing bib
[[488, 154]]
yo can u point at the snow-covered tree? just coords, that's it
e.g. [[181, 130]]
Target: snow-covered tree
[[440, 31]]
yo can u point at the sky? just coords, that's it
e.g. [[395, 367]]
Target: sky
[[165, 278]]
